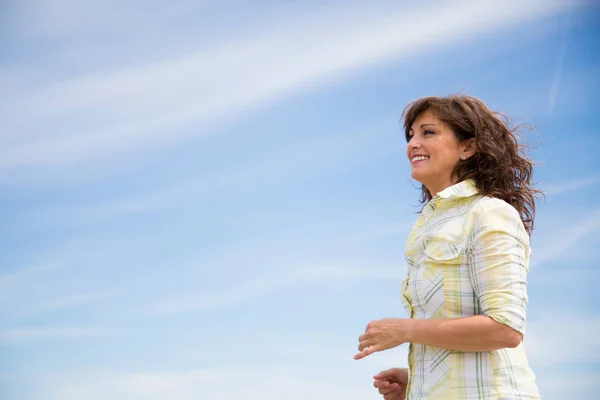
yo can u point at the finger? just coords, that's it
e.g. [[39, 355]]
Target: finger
[[364, 344], [365, 337], [397, 388], [390, 389], [381, 384], [385, 374], [367, 351], [387, 390], [386, 387]]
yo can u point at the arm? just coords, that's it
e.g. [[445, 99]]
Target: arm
[[469, 334], [498, 258], [476, 333]]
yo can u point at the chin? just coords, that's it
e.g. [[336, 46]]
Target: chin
[[417, 176]]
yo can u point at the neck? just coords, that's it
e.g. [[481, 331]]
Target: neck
[[437, 187]]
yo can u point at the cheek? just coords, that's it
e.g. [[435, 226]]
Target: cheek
[[448, 151]]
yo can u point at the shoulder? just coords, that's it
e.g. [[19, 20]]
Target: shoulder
[[486, 207], [493, 214]]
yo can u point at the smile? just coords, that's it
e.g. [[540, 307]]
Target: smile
[[419, 158]]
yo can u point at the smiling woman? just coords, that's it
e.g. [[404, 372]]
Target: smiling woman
[[467, 259], [471, 142]]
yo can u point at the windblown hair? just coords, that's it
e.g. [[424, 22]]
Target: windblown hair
[[499, 167]]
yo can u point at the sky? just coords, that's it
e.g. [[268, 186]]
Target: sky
[[210, 199]]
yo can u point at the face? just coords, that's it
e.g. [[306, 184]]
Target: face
[[434, 152]]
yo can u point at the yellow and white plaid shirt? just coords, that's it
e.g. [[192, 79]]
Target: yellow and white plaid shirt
[[466, 255]]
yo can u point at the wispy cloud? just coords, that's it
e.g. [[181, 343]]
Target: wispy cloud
[[41, 289], [320, 367], [545, 340], [334, 374], [310, 157], [225, 384], [18, 276], [68, 18], [18, 335], [576, 184], [567, 237], [555, 344], [143, 105], [397, 230], [554, 86], [583, 384], [236, 294], [50, 305]]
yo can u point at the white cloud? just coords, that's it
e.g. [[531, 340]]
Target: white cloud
[[566, 187], [226, 297], [13, 279], [563, 338], [554, 87], [559, 346], [313, 156], [146, 105], [398, 230], [41, 289], [60, 18], [566, 237], [322, 367], [569, 384], [25, 334], [49, 304], [275, 383], [332, 374]]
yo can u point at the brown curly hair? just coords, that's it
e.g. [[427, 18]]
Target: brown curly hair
[[500, 167]]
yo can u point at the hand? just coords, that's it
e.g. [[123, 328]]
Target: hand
[[392, 383], [382, 335]]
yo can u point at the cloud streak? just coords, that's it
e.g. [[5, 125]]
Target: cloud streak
[[559, 68], [567, 238], [20, 335], [561, 188], [320, 368], [545, 349], [141, 106], [19, 276], [50, 305], [334, 374], [314, 156], [226, 297]]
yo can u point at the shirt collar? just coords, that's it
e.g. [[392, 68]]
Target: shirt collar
[[466, 188]]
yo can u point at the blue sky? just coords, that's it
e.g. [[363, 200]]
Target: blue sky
[[210, 200]]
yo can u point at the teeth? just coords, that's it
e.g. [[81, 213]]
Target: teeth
[[419, 158]]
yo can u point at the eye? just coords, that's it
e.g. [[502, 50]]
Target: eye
[[428, 133], [409, 137]]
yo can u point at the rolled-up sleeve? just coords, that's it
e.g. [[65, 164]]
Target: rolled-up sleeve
[[498, 264]]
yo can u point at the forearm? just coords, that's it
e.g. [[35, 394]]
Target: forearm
[[476, 333]]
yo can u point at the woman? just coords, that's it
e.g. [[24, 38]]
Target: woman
[[467, 258]]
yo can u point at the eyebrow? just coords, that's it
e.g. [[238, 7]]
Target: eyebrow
[[422, 126]]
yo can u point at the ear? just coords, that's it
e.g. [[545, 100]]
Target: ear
[[469, 147]]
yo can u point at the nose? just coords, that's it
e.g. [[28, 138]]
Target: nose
[[413, 144]]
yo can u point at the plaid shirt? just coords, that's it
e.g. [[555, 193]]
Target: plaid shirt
[[468, 255]]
